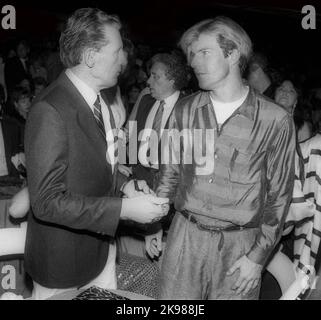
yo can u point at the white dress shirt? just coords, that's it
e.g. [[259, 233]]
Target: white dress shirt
[[3, 161], [168, 107], [90, 97]]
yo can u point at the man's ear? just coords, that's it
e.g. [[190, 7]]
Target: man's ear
[[89, 57], [234, 56]]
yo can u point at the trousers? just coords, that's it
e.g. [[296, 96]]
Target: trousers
[[194, 268]]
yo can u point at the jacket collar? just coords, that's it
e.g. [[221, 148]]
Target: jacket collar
[[246, 109]]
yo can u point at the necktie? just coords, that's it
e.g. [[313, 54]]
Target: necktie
[[99, 117], [157, 127], [158, 118]]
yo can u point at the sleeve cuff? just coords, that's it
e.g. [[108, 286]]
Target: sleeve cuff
[[258, 255]]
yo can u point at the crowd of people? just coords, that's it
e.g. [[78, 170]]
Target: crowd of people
[[220, 225]]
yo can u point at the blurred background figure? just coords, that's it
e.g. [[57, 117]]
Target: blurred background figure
[[17, 68], [287, 95], [10, 143], [37, 69], [258, 77], [39, 85]]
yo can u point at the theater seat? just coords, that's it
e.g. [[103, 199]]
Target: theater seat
[[282, 269]]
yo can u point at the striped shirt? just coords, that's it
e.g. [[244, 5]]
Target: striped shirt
[[248, 174], [305, 211]]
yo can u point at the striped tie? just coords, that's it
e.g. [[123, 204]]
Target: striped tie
[[157, 126], [158, 118], [99, 117]]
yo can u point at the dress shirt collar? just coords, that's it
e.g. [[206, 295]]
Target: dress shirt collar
[[87, 92], [171, 100]]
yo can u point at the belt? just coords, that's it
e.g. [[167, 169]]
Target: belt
[[190, 217]]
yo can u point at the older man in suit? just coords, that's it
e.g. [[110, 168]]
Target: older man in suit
[[72, 166], [168, 76]]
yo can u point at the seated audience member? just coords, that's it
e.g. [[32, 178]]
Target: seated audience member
[[40, 84], [37, 69], [22, 102], [17, 68], [287, 95], [18, 107], [258, 76], [26, 84]]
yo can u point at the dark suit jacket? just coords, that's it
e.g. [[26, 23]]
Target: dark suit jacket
[[12, 142], [72, 190], [139, 171]]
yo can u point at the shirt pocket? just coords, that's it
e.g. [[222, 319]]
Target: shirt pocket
[[245, 167]]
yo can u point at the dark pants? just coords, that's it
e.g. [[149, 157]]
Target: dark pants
[[194, 267]]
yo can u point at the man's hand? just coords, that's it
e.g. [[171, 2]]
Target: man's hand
[[135, 188], [153, 244], [144, 209], [250, 274]]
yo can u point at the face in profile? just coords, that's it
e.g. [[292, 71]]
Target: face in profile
[[109, 60], [286, 95], [160, 86]]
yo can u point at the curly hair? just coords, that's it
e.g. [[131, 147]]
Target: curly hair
[[176, 69], [84, 29]]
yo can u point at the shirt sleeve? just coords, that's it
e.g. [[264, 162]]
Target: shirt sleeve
[[280, 181], [170, 164]]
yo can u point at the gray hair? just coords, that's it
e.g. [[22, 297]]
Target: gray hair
[[84, 29]]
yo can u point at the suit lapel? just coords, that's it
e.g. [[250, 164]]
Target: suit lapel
[[85, 116]]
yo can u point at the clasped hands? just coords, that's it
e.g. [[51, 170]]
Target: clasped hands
[[140, 203]]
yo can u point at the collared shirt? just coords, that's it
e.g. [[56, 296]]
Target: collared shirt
[[168, 107], [252, 178], [90, 96]]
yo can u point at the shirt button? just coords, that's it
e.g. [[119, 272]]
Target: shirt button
[[215, 156], [210, 181]]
